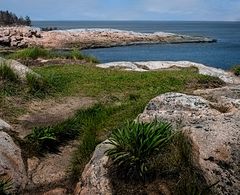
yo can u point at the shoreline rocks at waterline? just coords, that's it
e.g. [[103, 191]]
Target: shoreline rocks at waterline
[[22, 36]]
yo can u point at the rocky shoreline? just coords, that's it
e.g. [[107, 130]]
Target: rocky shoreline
[[20, 37]]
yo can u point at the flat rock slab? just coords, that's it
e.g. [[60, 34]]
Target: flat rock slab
[[52, 169], [213, 128], [158, 65]]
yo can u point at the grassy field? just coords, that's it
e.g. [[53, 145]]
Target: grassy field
[[121, 96]]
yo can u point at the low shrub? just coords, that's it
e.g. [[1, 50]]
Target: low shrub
[[236, 70], [76, 55], [135, 144]]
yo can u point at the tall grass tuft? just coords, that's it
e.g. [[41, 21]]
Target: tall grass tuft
[[5, 186], [135, 144], [30, 53]]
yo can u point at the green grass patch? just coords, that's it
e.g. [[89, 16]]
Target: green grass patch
[[96, 82], [33, 53], [30, 53]]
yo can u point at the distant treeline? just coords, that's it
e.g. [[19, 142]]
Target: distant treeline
[[8, 19]]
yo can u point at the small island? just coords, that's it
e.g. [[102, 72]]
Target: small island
[[22, 36]]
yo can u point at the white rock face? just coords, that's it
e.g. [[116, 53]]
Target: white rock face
[[11, 163], [213, 129], [19, 69], [158, 65]]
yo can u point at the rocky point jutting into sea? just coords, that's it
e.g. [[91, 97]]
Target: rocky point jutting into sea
[[88, 38]]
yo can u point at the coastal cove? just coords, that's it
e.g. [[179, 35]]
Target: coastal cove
[[223, 54]]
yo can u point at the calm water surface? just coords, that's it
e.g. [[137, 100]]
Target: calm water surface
[[223, 54]]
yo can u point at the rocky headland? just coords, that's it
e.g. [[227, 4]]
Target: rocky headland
[[19, 37]]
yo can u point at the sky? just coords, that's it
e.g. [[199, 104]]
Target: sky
[[193, 10]]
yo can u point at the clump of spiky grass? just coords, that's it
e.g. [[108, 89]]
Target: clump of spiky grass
[[135, 144], [5, 186]]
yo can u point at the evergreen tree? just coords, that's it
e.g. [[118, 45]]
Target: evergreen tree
[[9, 18]]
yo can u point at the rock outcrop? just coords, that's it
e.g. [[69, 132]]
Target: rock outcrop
[[227, 77], [209, 119], [18, 36], [11, 163], [213, 127], [87, 38], [19, 69], [94, 177]]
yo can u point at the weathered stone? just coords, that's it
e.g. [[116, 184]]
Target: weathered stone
[[57, 191], [94, 177], [227, 77], [19, 69], [11, 163], [4, 126], [214, 134]]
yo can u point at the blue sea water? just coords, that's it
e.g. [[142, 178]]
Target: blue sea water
[[223, 54]]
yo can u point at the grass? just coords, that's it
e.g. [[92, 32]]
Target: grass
[[122, 96], [33, 53], [95, 82], [30, 53], [135, 144]]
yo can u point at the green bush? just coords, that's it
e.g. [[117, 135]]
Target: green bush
[[5, 186], [6, 73], [236, 70], [30, 53], [76, 55], [135, 144]]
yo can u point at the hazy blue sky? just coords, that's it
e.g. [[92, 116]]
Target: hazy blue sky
[[125, 9]]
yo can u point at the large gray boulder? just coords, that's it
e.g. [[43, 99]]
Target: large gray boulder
[[11, 163], [213, 128], [19, 69]]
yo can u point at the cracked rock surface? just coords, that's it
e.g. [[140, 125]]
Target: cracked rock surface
[[213, 128]]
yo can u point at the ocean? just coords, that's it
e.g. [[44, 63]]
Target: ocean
[[223, 54]]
